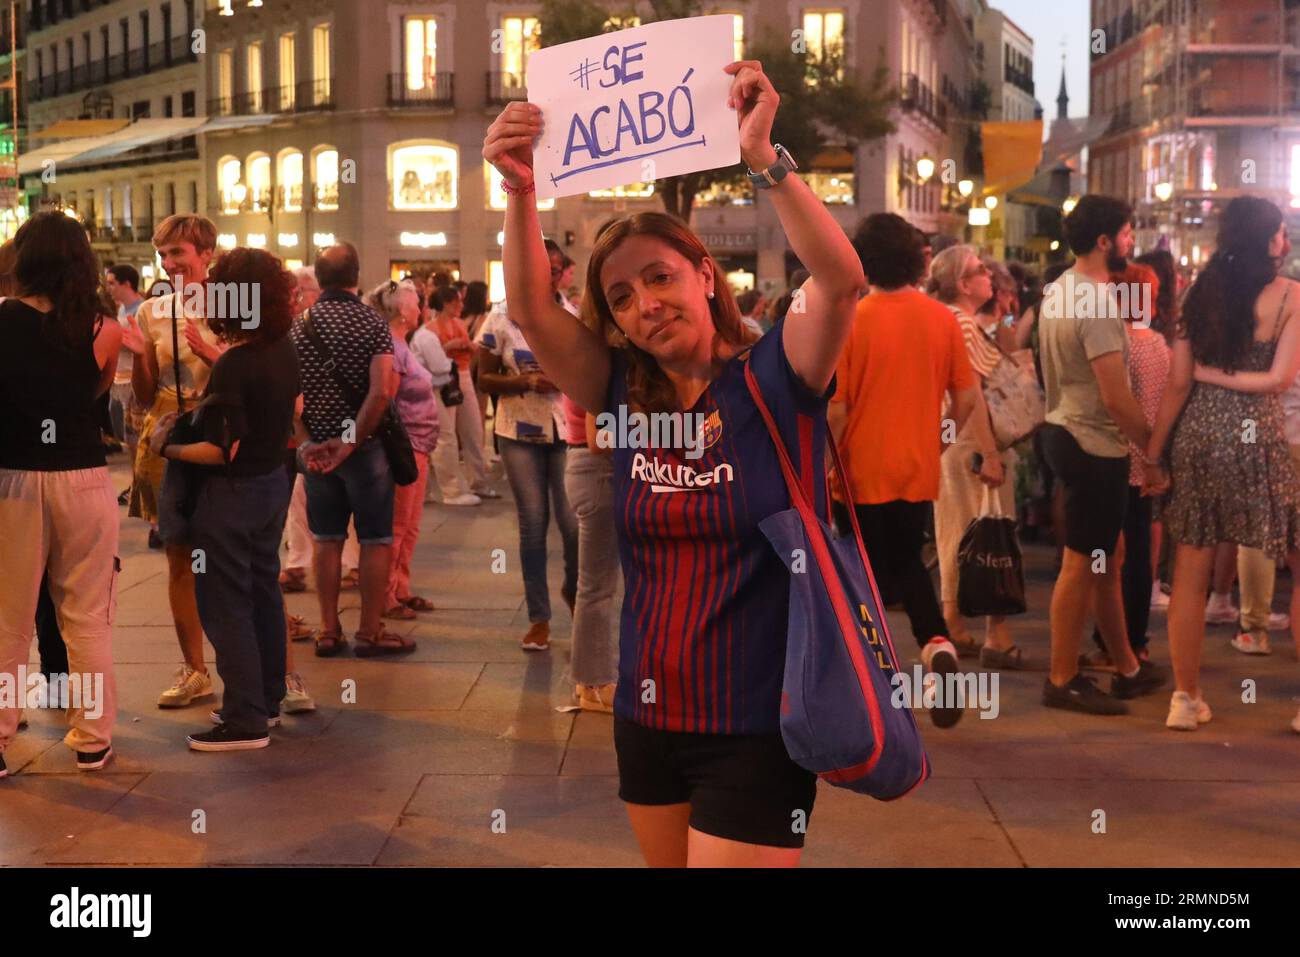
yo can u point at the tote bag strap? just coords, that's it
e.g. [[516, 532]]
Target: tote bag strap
[[800, 500]]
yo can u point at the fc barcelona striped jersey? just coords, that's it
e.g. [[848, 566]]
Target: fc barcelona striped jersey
[[703, 628]]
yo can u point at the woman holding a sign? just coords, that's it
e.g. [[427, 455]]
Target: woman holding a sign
[[702, 766]]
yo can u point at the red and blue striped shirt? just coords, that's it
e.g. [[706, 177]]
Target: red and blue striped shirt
[[704, 619]]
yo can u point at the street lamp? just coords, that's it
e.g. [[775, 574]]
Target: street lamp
[[966, 187], [925, 168], [990, 203], [1067, 207], [1164, 191]]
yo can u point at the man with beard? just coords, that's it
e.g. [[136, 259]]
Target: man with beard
[[1092, 415]]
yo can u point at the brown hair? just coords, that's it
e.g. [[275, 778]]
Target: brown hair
[[199, 231], [255, 267], [648, 389], [8, 260]]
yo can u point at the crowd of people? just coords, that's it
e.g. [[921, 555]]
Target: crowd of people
[[301, 449]]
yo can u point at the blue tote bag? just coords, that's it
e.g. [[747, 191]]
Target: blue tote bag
[[837, 719]]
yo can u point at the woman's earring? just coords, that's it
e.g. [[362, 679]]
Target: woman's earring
[[710, 294]]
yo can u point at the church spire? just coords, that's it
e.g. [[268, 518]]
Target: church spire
[[1062, 98]]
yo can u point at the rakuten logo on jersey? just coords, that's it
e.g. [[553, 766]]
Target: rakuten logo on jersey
[[666, 477]]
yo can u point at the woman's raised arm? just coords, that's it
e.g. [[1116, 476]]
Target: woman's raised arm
[[573, 356], [822, 311]]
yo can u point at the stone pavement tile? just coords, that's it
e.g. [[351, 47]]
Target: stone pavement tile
[[591, 746], [389, 684], [153, 739], [1150, 823], [44, 733], [945, 823], [41, 814], [442, 742], [540, 820], [538, 683], [278, 816], [149, 644]]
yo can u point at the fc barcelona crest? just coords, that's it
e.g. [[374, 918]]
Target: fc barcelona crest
[[711, 430]]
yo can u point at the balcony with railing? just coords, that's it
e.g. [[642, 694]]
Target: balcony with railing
[[504, 87], [160, 56], [917, 98], [438, 90], [1019, 79], [298, 98]]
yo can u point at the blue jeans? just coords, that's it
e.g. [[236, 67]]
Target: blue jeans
[[536, 471], [362, 489], [237, 524]]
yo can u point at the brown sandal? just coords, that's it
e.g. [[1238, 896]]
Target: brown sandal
[[329, 644], [400, 612], [384, 643], [417, 603]]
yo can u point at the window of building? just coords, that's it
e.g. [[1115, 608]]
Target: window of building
[[225, 78], [288, 74], [255, 76], [140, 110], [420, 37], [290, 179], [497, 195], [108, 205], [229, 174], [259, 182], [726, 194], [144, 38], [833, 184], [496, 280], [128, 213], [823, 32], [422, 176], [320, 62], [520, 37], [738, 36], [629, 191], [325, 177]]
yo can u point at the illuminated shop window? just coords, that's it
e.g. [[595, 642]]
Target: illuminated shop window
[[422, 176]]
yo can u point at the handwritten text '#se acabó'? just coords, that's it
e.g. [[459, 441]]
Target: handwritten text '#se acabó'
[[646, 120]]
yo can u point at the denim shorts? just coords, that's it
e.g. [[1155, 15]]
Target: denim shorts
[[362, 489]]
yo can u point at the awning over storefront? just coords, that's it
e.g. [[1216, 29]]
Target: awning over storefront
[[86, 150], [64, 129]]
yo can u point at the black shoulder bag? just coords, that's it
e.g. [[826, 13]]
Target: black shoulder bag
[[390, 431]]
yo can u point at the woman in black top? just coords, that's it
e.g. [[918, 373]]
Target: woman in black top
[[233, 464], [58, 510]]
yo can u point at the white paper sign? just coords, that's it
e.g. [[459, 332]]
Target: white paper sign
[[634, 106]]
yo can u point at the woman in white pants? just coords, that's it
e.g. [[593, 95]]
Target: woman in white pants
[[58, 508], [461, 431], [960, 280]]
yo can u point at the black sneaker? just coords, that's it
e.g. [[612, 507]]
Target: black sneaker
[[271, 722], [944, 663], [225, 738], [1081, 694], [87, 761], [1149, 677]]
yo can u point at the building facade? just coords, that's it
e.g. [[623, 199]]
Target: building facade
[[125, 61], [378, 111], [1204, 100]]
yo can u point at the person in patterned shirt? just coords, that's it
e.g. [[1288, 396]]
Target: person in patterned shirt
[[348, 473]]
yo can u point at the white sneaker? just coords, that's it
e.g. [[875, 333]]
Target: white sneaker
[[1220, 610], [466, 499], [190, 685], [1159, 600], [1248, 644], [296, 700], [1203, 712], [1184, 715], [1279, 621], [487, 493]]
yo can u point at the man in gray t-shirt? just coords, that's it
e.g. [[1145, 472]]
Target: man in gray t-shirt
[[1091, 416]]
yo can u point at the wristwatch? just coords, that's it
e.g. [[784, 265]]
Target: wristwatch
[[767, 178]]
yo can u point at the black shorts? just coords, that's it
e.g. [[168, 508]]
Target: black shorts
[[1095, 489], [740, 787]]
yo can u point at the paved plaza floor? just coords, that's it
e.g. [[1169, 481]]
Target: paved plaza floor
[[456, 754]]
